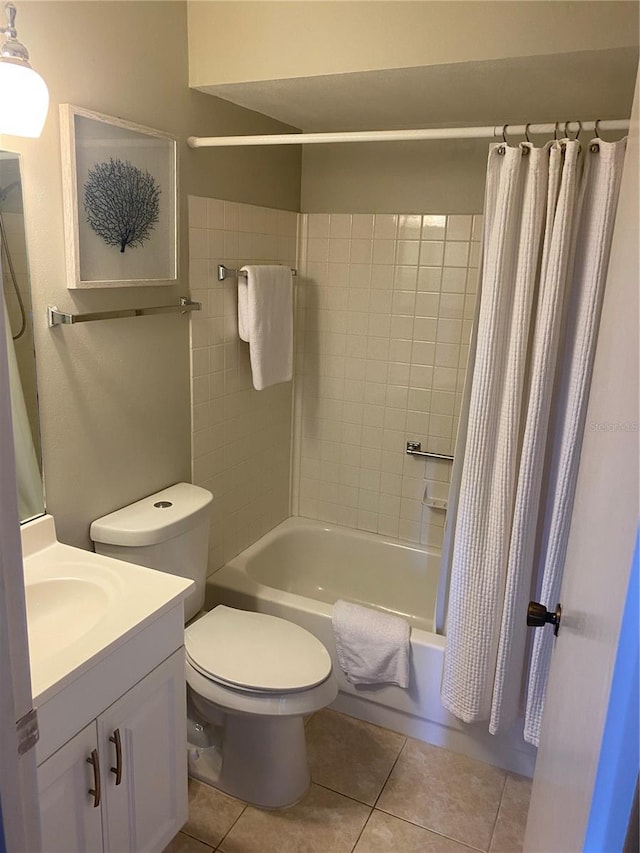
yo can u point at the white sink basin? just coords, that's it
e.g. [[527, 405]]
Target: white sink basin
[[81, 605], [62, 610]]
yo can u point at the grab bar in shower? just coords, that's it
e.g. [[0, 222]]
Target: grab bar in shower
[[227, 272], [414, 448], [62, 318]]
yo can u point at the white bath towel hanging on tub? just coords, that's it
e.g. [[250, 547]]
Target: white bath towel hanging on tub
[[372, 647], [265, 322]]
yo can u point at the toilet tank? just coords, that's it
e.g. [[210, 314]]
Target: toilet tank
[[167, 531]]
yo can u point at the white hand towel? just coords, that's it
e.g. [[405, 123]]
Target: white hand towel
[[372, 647], [265, 321]]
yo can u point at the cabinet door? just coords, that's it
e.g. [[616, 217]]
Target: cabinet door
[[70, 818], [148, 806]]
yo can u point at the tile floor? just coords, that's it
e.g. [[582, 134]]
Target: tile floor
[[373, 791]]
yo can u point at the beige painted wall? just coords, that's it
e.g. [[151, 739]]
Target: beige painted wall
[[415, 177], [298, 39], [241, 438], [114, 395]]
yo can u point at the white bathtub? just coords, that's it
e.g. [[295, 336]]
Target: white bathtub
[[300, 568]]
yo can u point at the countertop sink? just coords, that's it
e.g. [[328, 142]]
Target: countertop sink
[[60, 611], [81, 605]]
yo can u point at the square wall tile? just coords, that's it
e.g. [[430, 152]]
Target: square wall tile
[[387, 311], [459, 227], [409, 227], [197, 212], [456, 254], [433, 227], [407, 252], [382, 277], [386, 226], [383, 251], [362, 226], [430, 279], [318, 225], [340, 225], [361, 251], [477, 227], [215, 213], [431, 253]]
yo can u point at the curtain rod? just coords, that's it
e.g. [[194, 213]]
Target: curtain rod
[[489, 132]]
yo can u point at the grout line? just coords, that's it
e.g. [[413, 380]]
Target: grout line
[[341, 794], [195, 837], [232, 825], [391, 771], [495, 822], [433, 831], [364, 826]]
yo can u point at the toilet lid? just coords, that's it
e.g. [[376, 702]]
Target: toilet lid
[[254, 651]]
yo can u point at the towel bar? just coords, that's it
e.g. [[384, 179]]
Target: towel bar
[[227, 272], [414, 448], [62, 318]]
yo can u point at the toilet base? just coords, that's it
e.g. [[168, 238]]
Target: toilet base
[[262, 760]]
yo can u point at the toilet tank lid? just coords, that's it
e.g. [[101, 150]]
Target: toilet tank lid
[[154, 519]]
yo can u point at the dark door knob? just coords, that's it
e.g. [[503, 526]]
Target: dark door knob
[[538, 615]]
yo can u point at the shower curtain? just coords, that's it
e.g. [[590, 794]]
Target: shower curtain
[[27, 469], [548, 223]]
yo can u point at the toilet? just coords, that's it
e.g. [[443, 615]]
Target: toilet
[[251, 677]]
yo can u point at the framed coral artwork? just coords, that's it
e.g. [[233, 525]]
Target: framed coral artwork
[[120, 198]]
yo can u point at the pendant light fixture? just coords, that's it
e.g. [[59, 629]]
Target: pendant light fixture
[[24, 97]]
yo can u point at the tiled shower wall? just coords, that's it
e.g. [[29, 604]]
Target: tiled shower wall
[[385, 308], [241, 438]]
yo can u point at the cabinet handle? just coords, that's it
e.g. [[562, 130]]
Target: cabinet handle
[[115, 738], [95, 791]]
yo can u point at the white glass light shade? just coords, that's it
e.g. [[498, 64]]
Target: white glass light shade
[[24, 100]]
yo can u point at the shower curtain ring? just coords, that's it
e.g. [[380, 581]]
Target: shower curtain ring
[[595, 146], [526, 132], [567, 132], [596, 129], [503, 148], [555, 131]]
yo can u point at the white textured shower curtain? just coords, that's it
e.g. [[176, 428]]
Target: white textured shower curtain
[[547, 232]]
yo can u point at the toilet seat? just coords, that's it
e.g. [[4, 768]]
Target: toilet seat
[[206, 690], [255, 653]]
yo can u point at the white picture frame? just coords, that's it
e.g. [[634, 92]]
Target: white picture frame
[[120, 202]]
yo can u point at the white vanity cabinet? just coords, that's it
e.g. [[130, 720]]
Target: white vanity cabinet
[[69, 822], [118, 784], [145, 780]]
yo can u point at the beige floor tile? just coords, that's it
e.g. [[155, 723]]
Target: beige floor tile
[[512, 816], [387, 834], [449, 793], [185, 844], [351, 756], [323, 822], [211, 813]]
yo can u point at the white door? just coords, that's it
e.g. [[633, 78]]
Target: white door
[[145, 804], [18, 784], [599, 555], [70, 814]]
